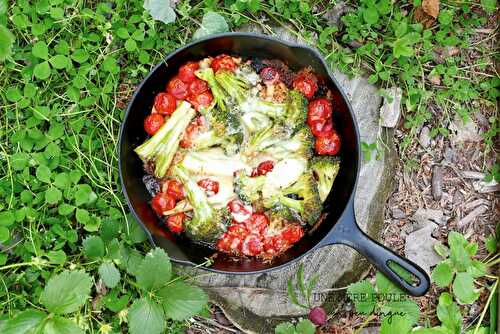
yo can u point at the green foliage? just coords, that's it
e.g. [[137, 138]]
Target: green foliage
[[212, 23], [398, 312], [304, 326], [460, 269]]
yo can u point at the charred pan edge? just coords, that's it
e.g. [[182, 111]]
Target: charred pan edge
[[314, 53]]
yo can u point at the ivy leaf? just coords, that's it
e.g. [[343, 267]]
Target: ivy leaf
[[24, 322], [93, 247], [285, 328], [362, 294], [59, 325], [449, 313], [305, 326], [6, 41], [442, 275], [182, 301], [155, 270], [66, 292], [109, 274], [463, 288], [160, 10], [145, 316], [212, 23]]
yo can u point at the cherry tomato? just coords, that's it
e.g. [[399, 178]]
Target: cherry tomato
[[257, 223], [191, 131], [210, 186], [237, 230], [175, 222], [162, 202], [224, 243], [306, 84], [153, 123], [292, 233], [223, 62], [319, 110], [328, 145], [269, 75], [276, 243], [175, 189], [202, 100], [186, 71], [263, 168], [252, 245], [322, 128], [178, 88], [165, 103], [239, 211], [197, 86]]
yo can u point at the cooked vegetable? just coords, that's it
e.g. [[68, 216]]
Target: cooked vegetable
[[248, 189], [235, 87], [207, 223], [325, 168], [160, 148], [246, 179], [300, 145], [302, 196], [212, 162], [296, 110]]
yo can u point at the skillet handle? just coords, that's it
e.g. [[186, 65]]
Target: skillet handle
[[347, 232]]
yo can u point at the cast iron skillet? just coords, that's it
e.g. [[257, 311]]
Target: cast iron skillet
[[339, 225]]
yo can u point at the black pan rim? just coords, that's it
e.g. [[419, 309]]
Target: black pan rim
[[257, 36]]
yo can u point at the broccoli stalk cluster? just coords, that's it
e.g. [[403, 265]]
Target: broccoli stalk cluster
[[161, 147]]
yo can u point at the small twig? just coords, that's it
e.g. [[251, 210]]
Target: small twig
[[215, 323]]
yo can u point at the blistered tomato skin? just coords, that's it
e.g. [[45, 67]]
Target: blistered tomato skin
[[203, 100], [197, 86], [319, 110], [178, 88], [211, 186], [322, 128], [223, 62], [328, 145], [306, 84], [257, 223], [153, 123], [175, 223], [186, 71], [165, 103], [175, 189], [293, 233], [252, 245], [162, 202], [263, 168]]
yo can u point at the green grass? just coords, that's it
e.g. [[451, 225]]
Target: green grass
[[73, 65]]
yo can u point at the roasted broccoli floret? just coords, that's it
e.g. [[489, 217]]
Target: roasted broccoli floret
[[207, 223], [161, 147], [296, 110], [235, 87], [302, 196], [325, 168], [206, 139], [248, 189], [275, 110], [281, 212], [212, 162], [255, 121], [300, 145]]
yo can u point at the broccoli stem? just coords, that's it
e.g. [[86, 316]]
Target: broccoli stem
[[162, 146]]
